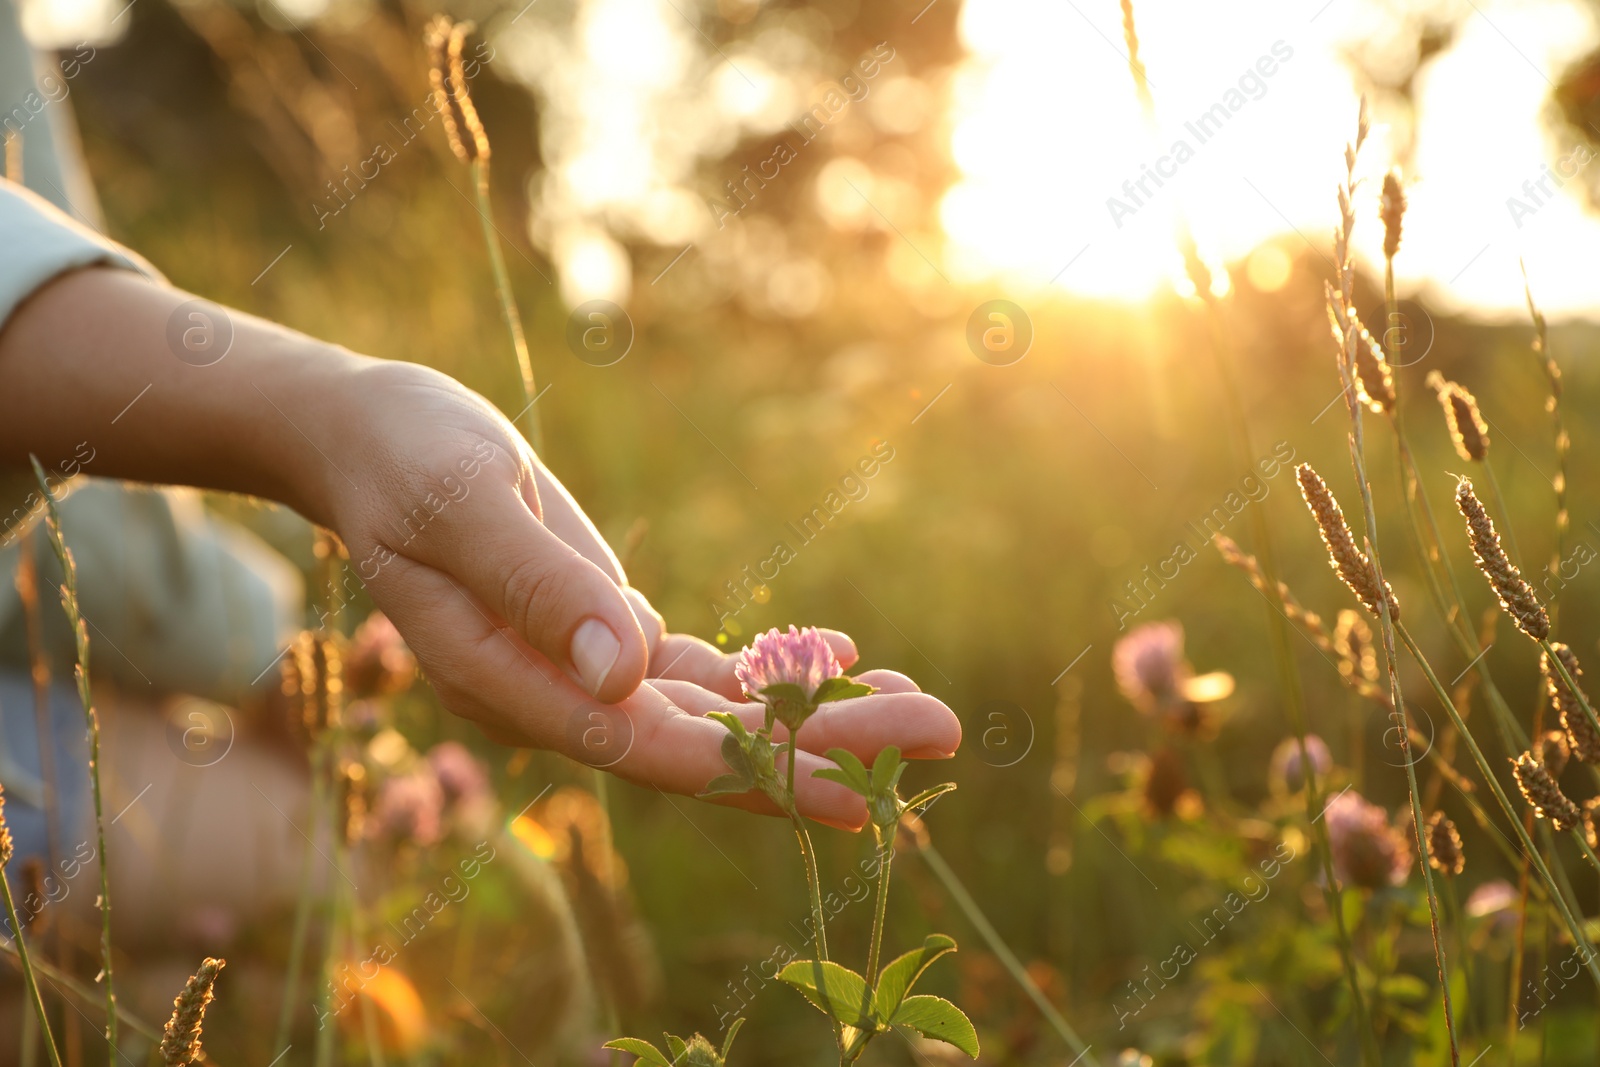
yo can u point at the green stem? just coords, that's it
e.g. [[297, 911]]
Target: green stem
[[302, 913], [85, 997], [1387, 627], [29, 979], [885, 855], [369, 1021], [508, 305], [1588, 852], [986, 930], [1574, 926], [807, 854]]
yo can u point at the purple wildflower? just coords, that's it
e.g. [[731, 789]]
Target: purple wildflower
[[799, 657], [1286, 770], [461, 775], [1491, 898], [410, 806], [1367, 851], [1149, 664]]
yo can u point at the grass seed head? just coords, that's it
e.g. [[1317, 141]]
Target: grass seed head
[[1348, 561], [1582, 740], [1552, 751], [1444, 845], [1515, 594], [6, 847], [1393, 210], [1467, 429], [1352, 639], [1374, 381], [180, 1043], [452, 97], [1541, 791]]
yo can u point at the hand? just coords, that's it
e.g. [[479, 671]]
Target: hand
[[493, 574]]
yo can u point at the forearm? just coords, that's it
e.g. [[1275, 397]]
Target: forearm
[[99, 356]]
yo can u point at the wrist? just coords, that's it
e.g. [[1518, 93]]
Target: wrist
[[298, 397]]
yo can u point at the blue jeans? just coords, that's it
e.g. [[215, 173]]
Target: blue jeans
[[19, 743]]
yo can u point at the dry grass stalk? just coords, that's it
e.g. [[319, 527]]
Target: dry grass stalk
[[1541, 790], [1374, 380], [1352, 640], [180, 1043], [1582, 740], [1444, 845], [7, 848], [1393, 209], [313, 678], [1359, 672], [1348, 561], [1467, 429], [1589, 835], [452, 97], [1515, 594]]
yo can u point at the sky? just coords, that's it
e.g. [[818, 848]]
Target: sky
[[1062, 181]]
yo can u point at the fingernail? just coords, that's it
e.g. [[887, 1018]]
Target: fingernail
[[594, 652]]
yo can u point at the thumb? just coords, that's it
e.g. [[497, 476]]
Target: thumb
[[552, 597]]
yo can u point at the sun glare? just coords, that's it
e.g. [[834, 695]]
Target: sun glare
[[1065, 182]]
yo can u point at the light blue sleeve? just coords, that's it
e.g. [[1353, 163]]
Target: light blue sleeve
[[39, 242]]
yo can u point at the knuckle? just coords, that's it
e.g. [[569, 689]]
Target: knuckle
[[535, 595]]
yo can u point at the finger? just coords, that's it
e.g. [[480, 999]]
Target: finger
[[649, 619], [690, 659], [888, 681], [554, 599], [480, 668], [484, 672], [916, 723], [561, 513], [686, 658]]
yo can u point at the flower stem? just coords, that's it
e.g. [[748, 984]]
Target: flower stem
[[508, 305], [885, 856], [809, 855], [29, 978]]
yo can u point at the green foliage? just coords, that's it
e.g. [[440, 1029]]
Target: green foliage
[[843, 994], [902, 973], [938, 1018], [695, 1052], [751, 760]]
